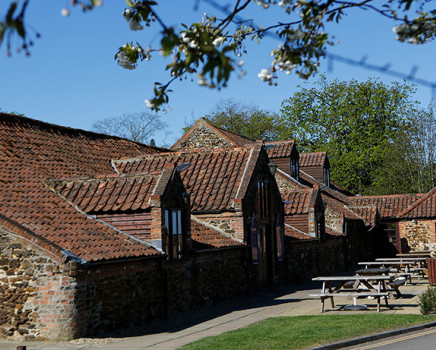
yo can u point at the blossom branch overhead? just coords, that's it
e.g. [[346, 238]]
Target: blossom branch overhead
[[212, 49]]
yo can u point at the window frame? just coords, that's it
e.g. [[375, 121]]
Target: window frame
[[173, 238]]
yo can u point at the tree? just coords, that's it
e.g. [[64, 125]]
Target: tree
[[244, 119], [410, 163], [211, 48], [138, 127], [357, 123]]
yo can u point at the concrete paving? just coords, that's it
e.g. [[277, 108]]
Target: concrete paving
[[175, 333]]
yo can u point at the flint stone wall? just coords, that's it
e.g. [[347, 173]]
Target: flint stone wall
[[36, 293], [419, 234], [202, 137]]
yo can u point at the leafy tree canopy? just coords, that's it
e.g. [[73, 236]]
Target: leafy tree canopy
[[244, 119], [357, 123], [212, 48]]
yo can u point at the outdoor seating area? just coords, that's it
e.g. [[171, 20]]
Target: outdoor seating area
[[377, 280]]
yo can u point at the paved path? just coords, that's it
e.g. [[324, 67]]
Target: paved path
[[225, 317]]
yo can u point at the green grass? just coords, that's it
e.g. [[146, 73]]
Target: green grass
[[302, 332]]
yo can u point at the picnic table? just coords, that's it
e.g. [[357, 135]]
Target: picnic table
[[402, 268], [416, 254], [395, 284], [363, 286]]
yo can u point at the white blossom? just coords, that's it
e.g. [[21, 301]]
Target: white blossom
[[123, 61], [65, 12], [149, 104], [201, 80], [134, 25], [218, 41], [296, 35], [265, 75], [240, 63]]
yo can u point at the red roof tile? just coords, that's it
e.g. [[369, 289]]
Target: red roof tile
[[112, 193], [297, 202], [312, 159], [31, 151], [368, 214], [389, 206], [425, 207], [281, 149], [213, 178], [204, 236]]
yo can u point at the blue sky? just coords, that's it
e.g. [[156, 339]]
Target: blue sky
[[72, 79]]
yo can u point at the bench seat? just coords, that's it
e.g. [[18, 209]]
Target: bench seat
[[375, 295]]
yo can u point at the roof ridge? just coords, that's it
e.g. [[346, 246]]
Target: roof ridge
[[418, 201], [23, 120]]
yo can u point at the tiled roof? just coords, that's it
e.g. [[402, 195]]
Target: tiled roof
[[312, 159], [238, 140], [425, 207], [204, 236], [281, 149], [213, 178], [112, 193], [368, 214], [31, 151], [389, 206], [297, 202]]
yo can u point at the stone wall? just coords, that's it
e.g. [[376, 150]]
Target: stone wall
[[230, 223], [311, 258], [115, 296], [334, 220], [202, 137], [36, 293], [419, 234]]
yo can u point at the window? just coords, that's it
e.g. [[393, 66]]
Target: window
[[279, 238], [263, 199], [327, 176], [173, 236], [294, 168], [391, 230]]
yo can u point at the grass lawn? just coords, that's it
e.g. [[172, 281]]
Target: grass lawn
[[302, 332]]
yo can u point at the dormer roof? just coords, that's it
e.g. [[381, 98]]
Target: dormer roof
[[314, 159], [114, 193], [214, 178]]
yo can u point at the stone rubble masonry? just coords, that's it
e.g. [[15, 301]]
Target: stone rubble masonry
[[202, 137], [334, 220], [286, 186], [420, 234], [230, 223], [45, 299], [36, 293]]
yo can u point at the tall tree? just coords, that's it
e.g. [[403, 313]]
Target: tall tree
[[410, 164], [244, 119], [138, 127], [212, 46], [357, 123]]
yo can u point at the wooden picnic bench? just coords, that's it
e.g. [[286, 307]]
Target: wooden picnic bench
[[364, 286]]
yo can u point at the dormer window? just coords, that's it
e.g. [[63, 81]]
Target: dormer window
[[172, 236], [294, 168]]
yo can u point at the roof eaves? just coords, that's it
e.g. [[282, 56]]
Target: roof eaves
[[248, 171], [196, 219]]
